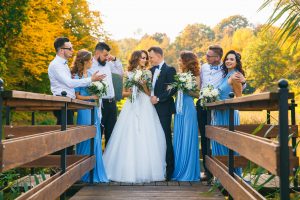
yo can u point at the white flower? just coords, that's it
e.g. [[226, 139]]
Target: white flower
[[138, 74]]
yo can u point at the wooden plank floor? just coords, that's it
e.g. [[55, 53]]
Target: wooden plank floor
[[156, 190]]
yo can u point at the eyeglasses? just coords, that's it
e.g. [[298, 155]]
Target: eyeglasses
[[68, 48], [209, 56]]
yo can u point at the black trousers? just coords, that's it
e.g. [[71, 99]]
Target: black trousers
[[202, 121], [165, 121], [70, 121], [109, 118]]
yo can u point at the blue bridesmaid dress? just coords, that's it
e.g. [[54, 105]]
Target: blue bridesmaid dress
[[186, 144], [221, 118], [83, 148]]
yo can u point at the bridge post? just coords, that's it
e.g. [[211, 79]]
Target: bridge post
[[283, 140], [1, 108], [208, 149], [268, 117], [93, 141], [293, 122], [63, 152], [230, 151]]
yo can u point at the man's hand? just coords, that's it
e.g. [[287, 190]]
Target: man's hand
[[97, 76], [238, 76], [111, 58], [154, 100]]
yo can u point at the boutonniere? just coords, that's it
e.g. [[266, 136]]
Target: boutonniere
[[158, 73]]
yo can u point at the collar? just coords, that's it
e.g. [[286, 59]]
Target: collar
[[61, 60], [221, 63], [161, 64]]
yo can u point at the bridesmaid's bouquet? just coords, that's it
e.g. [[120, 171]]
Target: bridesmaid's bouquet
[[208, 94], [98, 88], [134, 82], [184, 82]]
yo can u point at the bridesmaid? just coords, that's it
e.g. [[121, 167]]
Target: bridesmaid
[[81, 64], [186, 144], [231, 64]]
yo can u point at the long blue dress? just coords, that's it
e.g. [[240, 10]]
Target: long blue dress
[[221, 118], [186, 144], [83, 148]]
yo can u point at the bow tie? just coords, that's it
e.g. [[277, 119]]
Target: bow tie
[[214, 67], [156, 67]]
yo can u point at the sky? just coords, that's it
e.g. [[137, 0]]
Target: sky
[[134, 18]]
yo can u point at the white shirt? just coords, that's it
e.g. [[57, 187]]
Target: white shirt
[[155, 76], [61, 79], [210, 75], [109, 68]]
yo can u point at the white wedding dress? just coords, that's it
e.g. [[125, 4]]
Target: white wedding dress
[[136, 150]]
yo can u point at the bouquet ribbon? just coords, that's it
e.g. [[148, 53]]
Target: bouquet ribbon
[[99, 109], [134, 93], [179, 102]]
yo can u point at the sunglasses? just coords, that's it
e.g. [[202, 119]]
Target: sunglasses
[[68, 48]]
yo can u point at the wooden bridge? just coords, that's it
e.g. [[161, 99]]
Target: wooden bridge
[[32, 146]]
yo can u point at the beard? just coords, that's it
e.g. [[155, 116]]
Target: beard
[[103, 63]]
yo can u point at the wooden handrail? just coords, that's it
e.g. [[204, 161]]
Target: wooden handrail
[[28, 101], [255, 102], [29, 148]]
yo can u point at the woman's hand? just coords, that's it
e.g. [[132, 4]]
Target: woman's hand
[[94, 97], [143, 83]]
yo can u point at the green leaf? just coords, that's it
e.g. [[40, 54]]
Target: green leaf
[[257, 129], [36, 179]]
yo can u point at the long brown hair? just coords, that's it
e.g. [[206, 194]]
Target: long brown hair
[[134, 60], [239, 65], [190, 62], [78, 62]]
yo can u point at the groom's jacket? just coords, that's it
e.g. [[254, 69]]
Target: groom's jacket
[[166, 105]]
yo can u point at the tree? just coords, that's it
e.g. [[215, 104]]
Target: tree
[[230, 24], [242, 38], [265, 62], [194, 37], [12, 16], [289, 12]]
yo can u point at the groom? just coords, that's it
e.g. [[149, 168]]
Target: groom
[[162, 99]]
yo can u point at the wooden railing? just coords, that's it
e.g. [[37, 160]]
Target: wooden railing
[[276, 157], [31, 146]]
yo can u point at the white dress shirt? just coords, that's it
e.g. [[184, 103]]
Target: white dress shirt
[[210, 75], [61, 79], [109, 68], [156, 75]]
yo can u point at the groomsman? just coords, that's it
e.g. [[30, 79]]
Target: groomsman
[[60, 75], [61, 79], [163, 101], [107, 64], [211, 74]]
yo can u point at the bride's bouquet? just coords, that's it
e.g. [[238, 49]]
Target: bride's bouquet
[[134, 82], [98, 88], [184, 82], [208, 94]]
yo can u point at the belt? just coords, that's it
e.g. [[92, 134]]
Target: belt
[[108, 100]]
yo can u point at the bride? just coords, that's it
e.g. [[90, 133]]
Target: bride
[[136, 151]]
